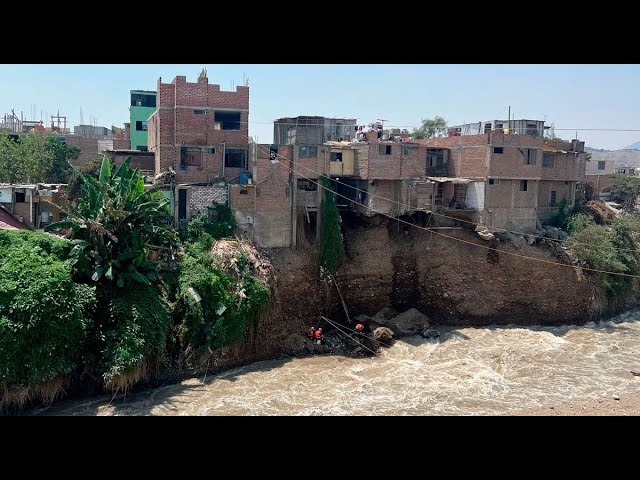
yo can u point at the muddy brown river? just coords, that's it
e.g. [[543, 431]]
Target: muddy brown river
[[468, 371]]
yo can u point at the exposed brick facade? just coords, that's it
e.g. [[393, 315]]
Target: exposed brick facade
[[263, 209], [504, 162], [200, 117], [89, 146]]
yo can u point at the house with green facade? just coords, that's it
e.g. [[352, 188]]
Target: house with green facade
[[143, 104]]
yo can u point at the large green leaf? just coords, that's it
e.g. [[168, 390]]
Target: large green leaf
[[105, 170]]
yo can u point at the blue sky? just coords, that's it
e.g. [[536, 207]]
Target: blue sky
[[571, 96]]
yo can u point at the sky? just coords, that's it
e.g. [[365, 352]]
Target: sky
[[572, 97]]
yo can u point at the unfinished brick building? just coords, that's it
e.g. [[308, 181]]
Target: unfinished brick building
[[517, 179], [199, 134]]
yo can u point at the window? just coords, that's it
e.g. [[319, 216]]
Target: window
[[601, 165], [532, 129], [548, 160], [524, 184], [190, 157], [142, 148], [529, 155], [228, 120], [408, 150], [384, 150], [257, 191], [336, 156], [493, 181], [235, 158], [199, 112], [211, 150], [141, 100], [552, 198], [308, 151], [141, 126], [244, 192], [498, 149], [20, 197]]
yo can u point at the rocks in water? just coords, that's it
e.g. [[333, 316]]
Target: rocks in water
[[387, 313], [384, 336], [430, 333], [411, 322]]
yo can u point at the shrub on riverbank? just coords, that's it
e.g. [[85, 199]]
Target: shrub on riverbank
[[43, 314]]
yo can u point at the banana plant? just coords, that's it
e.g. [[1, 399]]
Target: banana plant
[[113, 225]]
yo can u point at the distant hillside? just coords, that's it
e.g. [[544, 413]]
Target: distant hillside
[[626, 157], [635, 146]]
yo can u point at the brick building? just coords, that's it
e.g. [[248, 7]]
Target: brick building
[[35, 204], [200, 135], [598, 175], [514, 180]]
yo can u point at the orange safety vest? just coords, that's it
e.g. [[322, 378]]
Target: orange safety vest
[[318, 335], [359, 327], [311, 332]]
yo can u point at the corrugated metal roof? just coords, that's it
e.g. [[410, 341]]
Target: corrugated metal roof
[[449, 179]]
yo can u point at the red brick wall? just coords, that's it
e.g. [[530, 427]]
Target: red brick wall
[[23, 210], [511, 163], [263, 167], [89, 147], [177, 124], [310, 167], [598, 181], [566, 166], [469, 154]]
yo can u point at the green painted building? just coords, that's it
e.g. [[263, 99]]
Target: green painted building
[[143, 104]]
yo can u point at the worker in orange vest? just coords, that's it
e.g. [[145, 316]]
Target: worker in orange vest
[[318, 336], [311, 333], [360, 329]]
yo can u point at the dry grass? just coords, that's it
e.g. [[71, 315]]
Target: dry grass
[[123, 382], [18, 397]]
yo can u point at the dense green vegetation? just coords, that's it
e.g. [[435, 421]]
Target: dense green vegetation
[[43, 312], [607, 248], [626, 190], [35, 158], [218, 297], [115, 223], [96, 308], [430, 128], [331, 240]]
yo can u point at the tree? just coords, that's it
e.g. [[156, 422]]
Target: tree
[[331, 241], [76, 180], [34, 158], [626, 190], [10, 167], [430, 128], [61, 170], [115, 222]]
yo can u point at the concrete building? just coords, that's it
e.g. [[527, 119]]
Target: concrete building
[[534, 128], [311, 130], [143, 104], [199, 135]]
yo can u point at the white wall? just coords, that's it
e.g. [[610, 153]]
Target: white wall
[[475, 196]]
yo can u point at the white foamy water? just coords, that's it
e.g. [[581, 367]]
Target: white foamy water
[[468, 371]]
